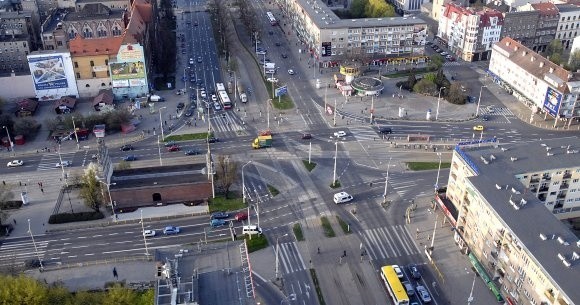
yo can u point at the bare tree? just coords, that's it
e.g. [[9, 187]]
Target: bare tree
[[226, 172]]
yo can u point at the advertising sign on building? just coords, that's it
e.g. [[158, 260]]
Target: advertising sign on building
[[552, 101], [326, 49], [52, 74], [129, 70]]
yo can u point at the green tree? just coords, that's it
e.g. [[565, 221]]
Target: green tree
[[555, 47], [425, 86], [357, 8], [27, 127], [574, 61], [378, 8], [226, 172], [6, 195], [87, 298], [21, 290], [411, 80], [441, 80], [435, 62], [556, 58], [58, 295], [90, 188], [430, 76], [455, 95], [123, 165], [118, 295]]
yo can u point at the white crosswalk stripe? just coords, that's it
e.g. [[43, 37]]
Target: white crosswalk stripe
[[388, 242], [290, 258], [226, 122], [363, 133], [49, 161], [451, 64], [15, 253], [497, 111]]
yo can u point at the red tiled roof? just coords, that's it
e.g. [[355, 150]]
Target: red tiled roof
[[68, 101], [99, 46], [451, 8], [104, 96], [485, 16], [545, 8]]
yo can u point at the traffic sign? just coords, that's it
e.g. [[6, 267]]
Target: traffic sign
[[281, 91]]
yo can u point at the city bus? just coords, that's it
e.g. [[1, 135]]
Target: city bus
[[220, 87], [225, 99], [271, 18], [394, 286]]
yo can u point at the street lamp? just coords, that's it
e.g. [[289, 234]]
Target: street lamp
[[76, 135], [438, 100], [161, 123], [387, 181], [110, 199], [479, 100], [470, 299], [9, 139], [143, 231], [438, 171], [34, 244], [335, 157], [244, 183], [277, 255]]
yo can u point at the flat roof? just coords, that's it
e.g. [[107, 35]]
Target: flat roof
[[532, 218], [325, 18], [158, 176]]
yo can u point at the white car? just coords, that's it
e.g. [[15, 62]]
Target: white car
[[261, 52], [213, 98], [340, 134], [191, 61], [202, 93], [149, 233], [423, 294], [290, 71], [272, 79], [398, 271], [342, 197], [63, 164], [15, 163], [217, 106], [444, 53]]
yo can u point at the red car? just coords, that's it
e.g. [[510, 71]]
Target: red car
[[241, 216], [173, 148]]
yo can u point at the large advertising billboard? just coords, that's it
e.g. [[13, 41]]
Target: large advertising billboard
[[552, 101], [326, 49], [48, 72], [129, 69], [53, 75]]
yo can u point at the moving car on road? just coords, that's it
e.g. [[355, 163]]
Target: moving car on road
[[130, 158], [191, 152], [127, 147], [398, 271], [241, 216], [169, 144], [340, 134], [423, 294], [342, 197], [217, 222], [478, 127], [173, 148], [15, 163], [171, 230], [290, 71], [219, 215], [64, 164], [149, 233], [415, 273]]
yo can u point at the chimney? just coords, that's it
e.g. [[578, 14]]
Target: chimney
[[541, 64], [551, 70]]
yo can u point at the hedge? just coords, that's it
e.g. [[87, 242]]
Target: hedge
[[68, 217], [11, 205]]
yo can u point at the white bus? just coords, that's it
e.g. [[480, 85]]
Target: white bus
[[225, 99], [220, 87], [271, 18]]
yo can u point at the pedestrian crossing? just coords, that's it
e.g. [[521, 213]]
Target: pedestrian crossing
[[49, 161], [15, 253], [496, 111], [364, 133], [451, 64], [388, 242], [227, 122], [289, 257]]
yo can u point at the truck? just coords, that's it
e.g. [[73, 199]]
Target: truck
[[242, 93], [262, 141]]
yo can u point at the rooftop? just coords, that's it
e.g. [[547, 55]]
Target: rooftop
[[566, 8], [99, 46], [159, 176], [497, 183], [54, 19], [94, 11], [535, 63], [324, 18]]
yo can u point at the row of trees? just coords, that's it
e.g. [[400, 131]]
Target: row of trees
[[28, 127], [113, 119], [163, 51], [17, 290], [555, 51], [371, 9]]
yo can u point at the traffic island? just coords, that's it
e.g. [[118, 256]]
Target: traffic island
[[327, 227], [309, 165], [336, 184]]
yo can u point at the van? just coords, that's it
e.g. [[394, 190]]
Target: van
[[244, 97], [342, 197], [251, 230], [409, 288]]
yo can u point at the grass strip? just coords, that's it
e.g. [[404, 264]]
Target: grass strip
[[186, 137], [274, 191], [421, 166], [309, 166], [297, 228], [328, 231], [343, 225], [221, 203], [317, 287]]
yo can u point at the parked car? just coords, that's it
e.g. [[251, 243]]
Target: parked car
[[290, 71], [241, 216], [127, 147], [278, 44], [191, 61], [261, 52], [485, 117], [398, 271], [213, 98], [64, 164], [171, 230], [283, 55], [217, 106], [149, 233], [219, 215], [217, 222], [423, 294], [169, 144], [189, 112], [173, 148], [340, 134], [199, 60], [15, 163], [130, 158], [180, 105], [272, 79], [415, 273]]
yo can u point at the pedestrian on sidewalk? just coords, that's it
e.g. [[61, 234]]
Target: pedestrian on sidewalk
[[42, 190], [14, 220]]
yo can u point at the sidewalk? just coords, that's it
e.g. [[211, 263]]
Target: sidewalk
[[452, 269]]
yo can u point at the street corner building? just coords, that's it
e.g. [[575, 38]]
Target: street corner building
[[163, 185]]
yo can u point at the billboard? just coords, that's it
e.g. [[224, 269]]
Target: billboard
[[129, 69], [552, 101], [48, 72], [326, 49]]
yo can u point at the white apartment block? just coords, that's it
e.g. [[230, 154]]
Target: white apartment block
[[540, 84], [408, 5], [569, 24], [470, 34], [521, 248], [328, 38]]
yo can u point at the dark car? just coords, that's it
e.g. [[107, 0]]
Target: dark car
[[306, 136], [127, 147], [284, 55], [212, 140], [415, 273], [219, 215], [169, 144], [173, 148], [180, 106], [278, 44], [130, 158], [485, 117], [192, 152], [189, 112], [385, 130]]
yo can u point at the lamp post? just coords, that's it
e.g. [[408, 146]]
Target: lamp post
[[438, 100], [387, 181], [110, 198], [372, 108], [9, 139], [470, 298], [335, 157], [479, 100], [244, 183], [34, 244], [76, 135], [143, 231], [438, 171], [159, 149], [277, 256], [161, 123]]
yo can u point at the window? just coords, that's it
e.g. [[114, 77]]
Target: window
[[106, 62], [94, 74], [92, 63], [76, 64], [78, 75]]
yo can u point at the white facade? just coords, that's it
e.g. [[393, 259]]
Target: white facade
[[52, 74], [409, 5], [569, 24]]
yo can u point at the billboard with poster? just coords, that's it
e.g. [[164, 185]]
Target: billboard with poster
[[52, 74], [129, 70], [552, 101]]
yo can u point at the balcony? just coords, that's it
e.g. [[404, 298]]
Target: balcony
[[564, 186], [567, 175], [547, 178], [561, 195], [535, 180], [544, 189]]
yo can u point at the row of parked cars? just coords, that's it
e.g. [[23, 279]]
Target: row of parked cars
[[439, 50], [411, 290]]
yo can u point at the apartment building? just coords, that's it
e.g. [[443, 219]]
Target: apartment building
[[537, 82], [408, 5], [468, 33], [329, 38], [91, 59], [515, 242], [568, 24], [547, 23], [520, 26], [16, 36]]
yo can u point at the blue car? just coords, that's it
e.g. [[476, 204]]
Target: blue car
[[130, 158], [219, 215], [217, 222]]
